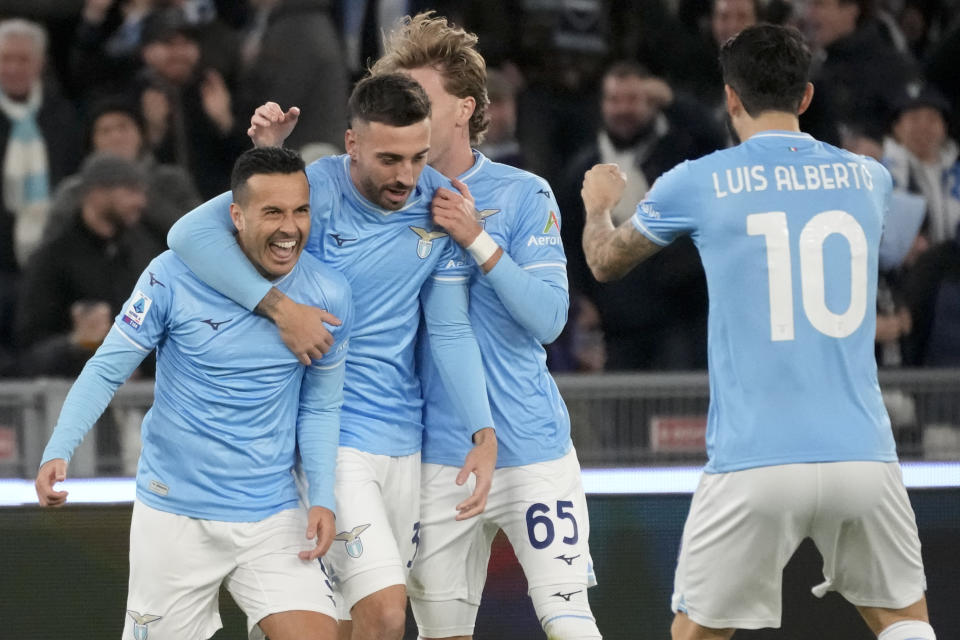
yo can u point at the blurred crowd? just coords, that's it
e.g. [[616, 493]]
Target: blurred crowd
[[118, 116]]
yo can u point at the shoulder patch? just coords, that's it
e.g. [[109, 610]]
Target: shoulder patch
[[137, 310]]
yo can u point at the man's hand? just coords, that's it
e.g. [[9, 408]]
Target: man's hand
[[270, 125], [481, 461], [52, 472], [320, 526], [456, 213], [603, 187], [300, 325], [216, 101], [91, 323]]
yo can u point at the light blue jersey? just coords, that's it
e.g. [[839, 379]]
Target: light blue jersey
[[788, 229], [515, 308], [229, 409], [394, 261]]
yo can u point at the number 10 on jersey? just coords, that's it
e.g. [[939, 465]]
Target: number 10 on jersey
[[772, 226]]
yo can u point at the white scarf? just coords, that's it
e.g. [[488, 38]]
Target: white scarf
[[939, 183], [26, 177], [630, 161]]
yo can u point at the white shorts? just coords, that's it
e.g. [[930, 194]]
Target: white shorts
[[378, 507], [541, 508], [745, 525], [178, 563]]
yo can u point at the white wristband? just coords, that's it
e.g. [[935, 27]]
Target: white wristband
[[483, 247]]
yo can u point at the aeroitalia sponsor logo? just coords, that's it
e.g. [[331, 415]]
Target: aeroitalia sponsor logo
[[551, 223]]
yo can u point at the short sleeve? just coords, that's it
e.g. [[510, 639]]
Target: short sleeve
[[670, 208], [536, 239], [143, 319]]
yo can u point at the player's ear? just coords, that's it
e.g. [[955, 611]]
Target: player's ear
[[350, 144], [734, 106], [467, 106], [806, 99], [236, 214]]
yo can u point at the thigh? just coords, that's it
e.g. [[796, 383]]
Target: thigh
[[451, 563], [742, 529], [867, 535], [367, 554], [542, 509], [270, 578], [176, 567]]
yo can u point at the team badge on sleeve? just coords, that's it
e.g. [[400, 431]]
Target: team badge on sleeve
[[137, 310]]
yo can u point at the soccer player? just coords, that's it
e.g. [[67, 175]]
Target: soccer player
[[371, 219], [216, 501], [509, 222], [798, 440]]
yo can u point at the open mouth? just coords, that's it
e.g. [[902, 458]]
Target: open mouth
[[397, 195], [283, 250]]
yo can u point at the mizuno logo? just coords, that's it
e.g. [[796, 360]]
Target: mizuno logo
[[215, 325], [340, 239], [566, 596], [544, 193], [569, 561], [153, 280]]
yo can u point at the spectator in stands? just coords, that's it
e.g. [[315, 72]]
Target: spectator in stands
[[116, 127], [932, 291], [188, 109], [656, 317], [855, 48], [313, 78], [105, 52], [923, 160], [500, 142], [557, 49], [95, 261], [39, 139]]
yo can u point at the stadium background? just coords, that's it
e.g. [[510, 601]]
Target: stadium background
[[63, 574]]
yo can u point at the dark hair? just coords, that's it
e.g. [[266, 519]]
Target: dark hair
[[393, 99], [260, 161], [105, 171], [627, 69], [768, 66], [111, 104]]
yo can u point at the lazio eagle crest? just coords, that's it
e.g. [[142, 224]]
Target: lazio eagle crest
[[425, 244], [352, 538], [140, 622]]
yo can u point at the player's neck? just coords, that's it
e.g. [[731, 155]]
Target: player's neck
[[768, 121], [458, 159]]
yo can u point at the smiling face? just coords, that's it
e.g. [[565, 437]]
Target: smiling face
[[272, 217], [386, 161]]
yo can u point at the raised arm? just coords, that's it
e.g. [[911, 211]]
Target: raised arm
[[536, 299], [611, 252], [457, 355], [204, 239]]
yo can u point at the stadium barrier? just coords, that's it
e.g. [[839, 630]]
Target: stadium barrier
[[616, 420]]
